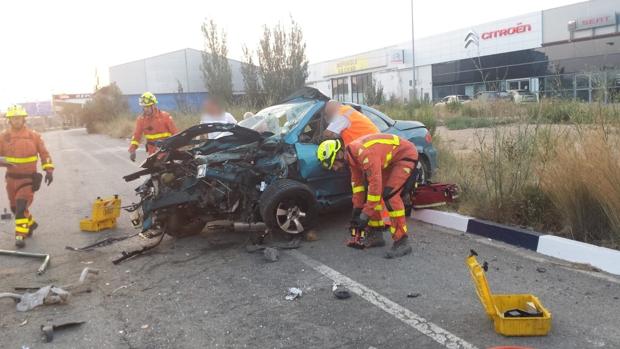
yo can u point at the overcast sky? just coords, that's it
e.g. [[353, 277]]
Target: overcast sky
[[56, 46]]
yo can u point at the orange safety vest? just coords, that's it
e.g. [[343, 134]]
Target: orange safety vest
[[360, 125]]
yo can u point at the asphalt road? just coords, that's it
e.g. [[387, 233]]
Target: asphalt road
[[207, 291]]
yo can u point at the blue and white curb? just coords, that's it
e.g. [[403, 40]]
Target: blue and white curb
[[602, 258]]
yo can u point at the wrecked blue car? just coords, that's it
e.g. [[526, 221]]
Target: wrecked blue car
[[262, 172]]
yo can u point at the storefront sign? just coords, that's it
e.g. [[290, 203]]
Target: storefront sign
[[513, 30], [357, 63], [596, 21], [397, 56]]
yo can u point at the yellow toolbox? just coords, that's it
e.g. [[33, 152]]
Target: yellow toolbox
[[512, 314], [104, 215]]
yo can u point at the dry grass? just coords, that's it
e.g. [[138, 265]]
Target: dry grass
[[559, 179]]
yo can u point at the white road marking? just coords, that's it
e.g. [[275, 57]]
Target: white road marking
[[403, 314]]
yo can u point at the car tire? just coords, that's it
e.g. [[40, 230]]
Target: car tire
[[424, 170], [288, 206]]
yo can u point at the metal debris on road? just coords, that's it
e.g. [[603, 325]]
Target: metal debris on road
[[340, 291], [102, 243], [541, 270], [44, 296], [271, 254], [413, 295], [48, 329], [45, 257], [293, 293], [144, 327], [23, 323], [126, 255]]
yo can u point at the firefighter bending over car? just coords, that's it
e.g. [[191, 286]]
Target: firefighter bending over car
[[381, 166], [154, 124], [346, 123], [21, 148]]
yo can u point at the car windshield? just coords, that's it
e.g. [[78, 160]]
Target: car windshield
[[278, 119]]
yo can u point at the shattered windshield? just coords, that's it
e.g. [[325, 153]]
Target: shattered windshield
[[278, 119]]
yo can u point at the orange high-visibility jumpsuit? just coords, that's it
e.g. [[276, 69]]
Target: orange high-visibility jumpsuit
[[155, 127], [22, 149], [380, 165], [359, 125]]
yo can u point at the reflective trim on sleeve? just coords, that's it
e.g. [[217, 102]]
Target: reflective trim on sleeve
[[388, 158], [24, 160], [48, 166], [397, 213], [376, 224], [156, 136], [394, 141], [371, 197], [19, 221], [378, 208], [392, 230], [135, 142], [358, 189]]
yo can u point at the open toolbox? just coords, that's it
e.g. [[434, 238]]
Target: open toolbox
[[512, 314]]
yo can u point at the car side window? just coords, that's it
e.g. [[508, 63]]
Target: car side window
[[376, 119]]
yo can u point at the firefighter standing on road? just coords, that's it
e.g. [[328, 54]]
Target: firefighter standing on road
[[346, 123], [154, 124], [21, 148], [380, 165]]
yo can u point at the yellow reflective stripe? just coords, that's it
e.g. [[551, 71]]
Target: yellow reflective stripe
[[378, 208], [371, 197], [394, 141], [398, 213], [22, 230], [392, 230], [22, 221], [25, 160], [46, 166], [375, 224], [158, 135], [358, 189], [388, 158], [134, 142]]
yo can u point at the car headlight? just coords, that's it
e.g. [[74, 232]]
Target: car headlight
[[201, 171]]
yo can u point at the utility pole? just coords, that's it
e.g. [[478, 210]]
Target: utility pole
[[413, 84]]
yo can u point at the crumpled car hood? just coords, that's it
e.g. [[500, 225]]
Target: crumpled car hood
[[240, 135]]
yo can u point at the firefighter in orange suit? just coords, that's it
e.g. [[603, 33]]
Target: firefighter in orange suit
[[20, 149], [380, 165], [346, 123], [154, 124]]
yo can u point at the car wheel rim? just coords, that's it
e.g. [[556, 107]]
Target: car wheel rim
[[289, 218], [422, 173]]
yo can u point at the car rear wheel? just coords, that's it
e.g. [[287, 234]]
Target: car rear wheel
[[288, 206], [424, 170]]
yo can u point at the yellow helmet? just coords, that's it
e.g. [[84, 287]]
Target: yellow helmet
[[147, 99], [16, 110], [326, 153]]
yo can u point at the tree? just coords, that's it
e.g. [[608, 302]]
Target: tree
[[215, 68], [106, 104], [374, 94], [282, 60], [181, 99], [251, 82]]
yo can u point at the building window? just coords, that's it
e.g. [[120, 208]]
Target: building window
[[340, 89], [360, 84]]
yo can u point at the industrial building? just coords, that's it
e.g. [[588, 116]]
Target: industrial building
[[175, 78], [569, 52]]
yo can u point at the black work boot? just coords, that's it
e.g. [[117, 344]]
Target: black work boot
[[19, 241], [374, 238], [399, 248]]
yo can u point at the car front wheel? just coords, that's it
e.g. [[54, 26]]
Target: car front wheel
[[288, 206]]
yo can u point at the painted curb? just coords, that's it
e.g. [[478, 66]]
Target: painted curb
[[603, 258]]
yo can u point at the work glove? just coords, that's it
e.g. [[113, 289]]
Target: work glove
[[132, 156], [49, 177], [360, 222]]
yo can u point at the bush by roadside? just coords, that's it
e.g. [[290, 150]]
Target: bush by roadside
[[559, 179]]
